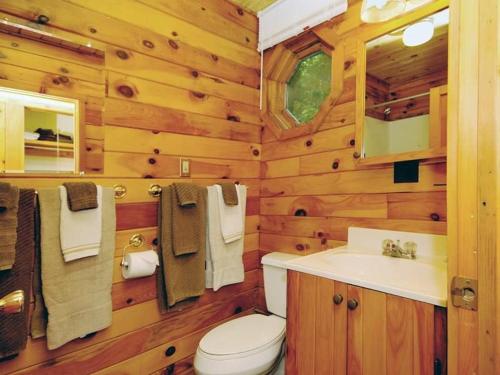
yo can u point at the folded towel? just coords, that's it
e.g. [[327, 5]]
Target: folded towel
[[14, 327], [224, 260], [38, 324], [186, 218], [231, 223], [9, 199], [77, 294], [180, 277], [229, 193], [81, 231], [81, 195]]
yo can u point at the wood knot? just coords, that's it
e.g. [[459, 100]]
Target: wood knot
[[148, 44], [215, 57], [435, 217], [122, 54], [320, 234], [256, 152], [300, 212], [240, 11], [64, 70], [300, 247], [148, 176], [309, 143], [129, 301], [152, 161], [352, 142], [64, 79], [93, 30], [195, 74], [198, 95], [347, 64], [126, 91], [156, 150], [170, 351], [247, 39], [335, 164], [233, 118], [238, 310], [174, 33], [14, 44], [173, 44], [324, 241]]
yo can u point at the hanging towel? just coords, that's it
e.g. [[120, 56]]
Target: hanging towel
[[77, 294], [231, 222], [180, 277], [9, 198], [81, 195], [38, 325], [81, 231], [224, 260], [186, 218], [229, 193], [14, 328]]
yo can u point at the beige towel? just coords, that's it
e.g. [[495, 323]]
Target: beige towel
[[229, 193], [77, 294], [81, 195], [9, 202], [186, 218], [180, 277]]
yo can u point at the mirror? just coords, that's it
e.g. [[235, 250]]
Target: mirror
[[405, 92], [38, 133]]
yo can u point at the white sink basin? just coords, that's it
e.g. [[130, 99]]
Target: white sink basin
[[422, 279]]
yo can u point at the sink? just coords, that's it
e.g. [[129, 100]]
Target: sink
[[423, 279]]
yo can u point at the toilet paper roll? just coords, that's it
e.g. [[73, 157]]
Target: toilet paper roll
[[139, 264]]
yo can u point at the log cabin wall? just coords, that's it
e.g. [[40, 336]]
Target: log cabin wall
[[312, 190], [179, 79]]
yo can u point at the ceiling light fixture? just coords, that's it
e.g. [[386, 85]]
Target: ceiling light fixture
[[418, 33]]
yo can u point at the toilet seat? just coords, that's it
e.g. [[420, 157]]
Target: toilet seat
[[246, 345]]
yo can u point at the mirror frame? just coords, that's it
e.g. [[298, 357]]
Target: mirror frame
[[279, 65], [371, 32]]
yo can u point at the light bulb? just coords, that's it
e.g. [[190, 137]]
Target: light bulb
[[418, 33]]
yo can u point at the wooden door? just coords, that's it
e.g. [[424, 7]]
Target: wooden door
[[388, 334], [316, 325], [473, 183]]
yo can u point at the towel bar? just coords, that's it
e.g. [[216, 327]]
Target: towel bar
[[12, 303]]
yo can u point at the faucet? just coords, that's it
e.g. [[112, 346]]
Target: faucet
[[391, 249]]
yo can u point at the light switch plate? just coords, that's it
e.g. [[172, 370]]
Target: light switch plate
[[185, 168]]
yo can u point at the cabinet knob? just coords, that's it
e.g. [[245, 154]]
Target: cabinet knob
[[352, 304], [337, 299]]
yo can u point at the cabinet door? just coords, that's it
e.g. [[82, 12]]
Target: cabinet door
[[388, 334], [316, 326]]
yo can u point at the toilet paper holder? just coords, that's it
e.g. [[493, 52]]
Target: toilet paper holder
[[136, 240]]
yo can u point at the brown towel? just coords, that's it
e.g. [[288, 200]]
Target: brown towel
[[39, 314], [9, 200], [229, 193], [77, 294], [81, 195], [186, 218], [14, 328], [180, 277]]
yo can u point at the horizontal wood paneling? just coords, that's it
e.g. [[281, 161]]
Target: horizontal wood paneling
[[180, 80]]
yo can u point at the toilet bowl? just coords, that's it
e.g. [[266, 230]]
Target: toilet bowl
[[252, 344]]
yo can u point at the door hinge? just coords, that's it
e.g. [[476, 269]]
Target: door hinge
[[464, 293]]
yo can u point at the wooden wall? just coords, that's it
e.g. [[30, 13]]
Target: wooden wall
[[179, 79], [312, 190]]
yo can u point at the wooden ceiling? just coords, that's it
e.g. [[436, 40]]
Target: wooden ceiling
[[395, 64], [253, 5]]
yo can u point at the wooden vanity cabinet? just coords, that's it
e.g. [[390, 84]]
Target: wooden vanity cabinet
[[336, 328]]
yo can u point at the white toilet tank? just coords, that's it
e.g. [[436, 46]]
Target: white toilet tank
[[275, 281]]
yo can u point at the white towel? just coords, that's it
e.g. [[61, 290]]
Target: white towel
[[80, 231], [231, 221], [224, 261]]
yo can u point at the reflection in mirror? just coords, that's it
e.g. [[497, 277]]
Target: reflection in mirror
[[308, 86], [38, 133], [406, 76]]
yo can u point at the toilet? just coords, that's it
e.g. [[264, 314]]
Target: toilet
[[252, 344]]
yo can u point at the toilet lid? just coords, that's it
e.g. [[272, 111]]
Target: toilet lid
[[243, 334]]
